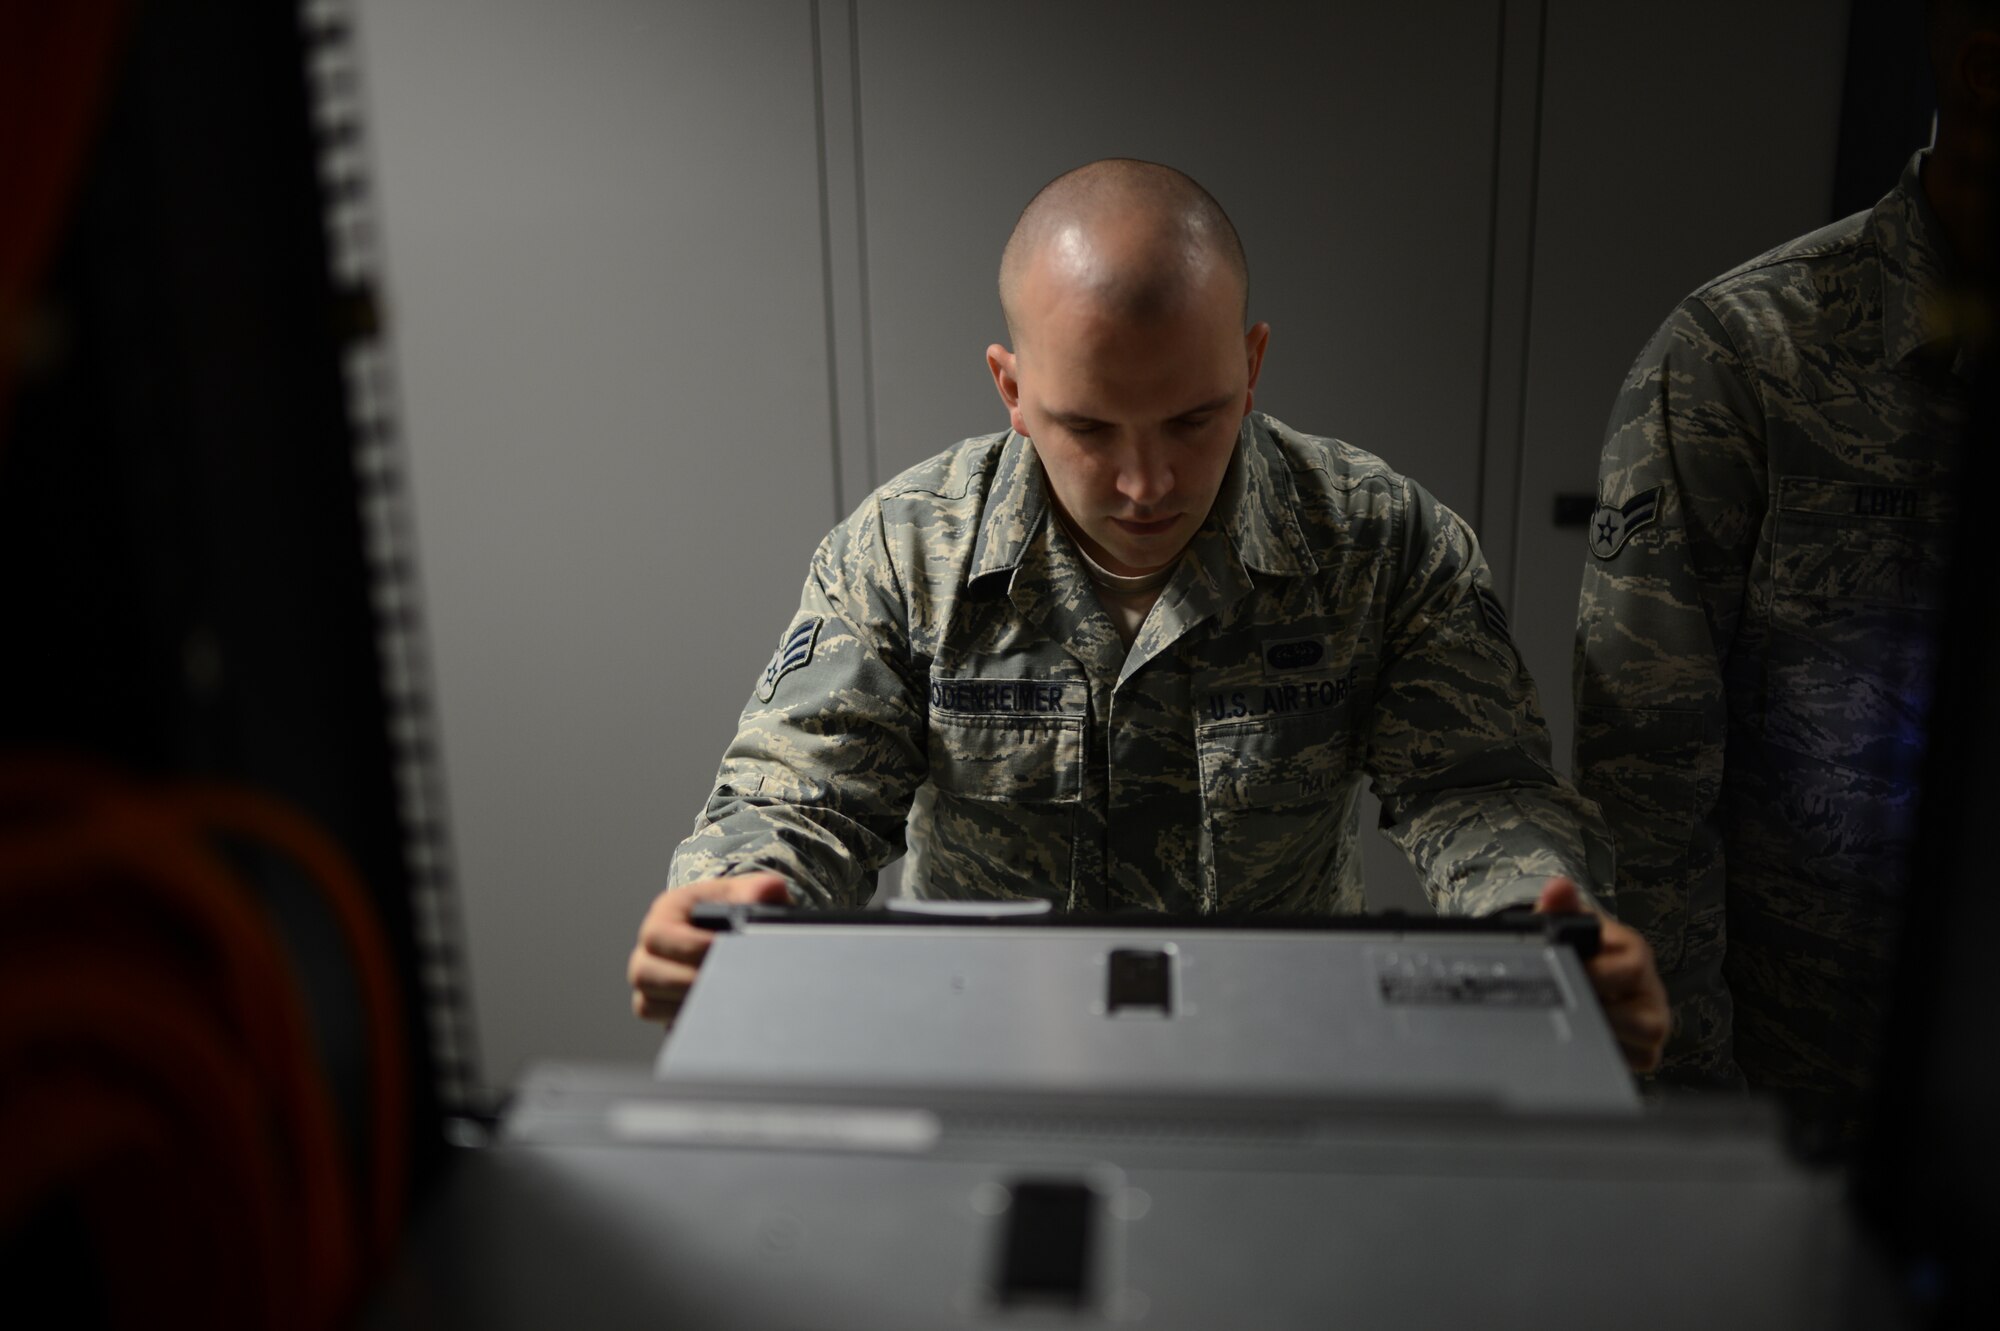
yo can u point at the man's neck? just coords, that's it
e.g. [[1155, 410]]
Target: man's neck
[[1958, 179]]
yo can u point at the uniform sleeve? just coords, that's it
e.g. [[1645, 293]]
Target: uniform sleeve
[[830, 748], [1682, 496], [1458, 750]]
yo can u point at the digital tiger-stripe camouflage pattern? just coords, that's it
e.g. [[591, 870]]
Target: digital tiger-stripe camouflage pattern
[[1329, 622]]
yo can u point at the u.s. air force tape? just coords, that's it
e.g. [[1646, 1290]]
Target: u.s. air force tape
[[794, 650], [1612, 526]]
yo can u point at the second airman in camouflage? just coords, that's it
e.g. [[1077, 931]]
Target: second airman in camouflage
[[1755, 642]]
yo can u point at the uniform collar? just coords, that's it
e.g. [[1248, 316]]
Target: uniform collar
[[1255, 511], [1260, 506], [1909, 240], [1016, 503]]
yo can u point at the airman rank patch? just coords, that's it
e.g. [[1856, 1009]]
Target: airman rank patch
[[1491, 610], [794, 650], [1611, 527]]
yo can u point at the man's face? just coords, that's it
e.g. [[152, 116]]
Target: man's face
[[1135, 421]]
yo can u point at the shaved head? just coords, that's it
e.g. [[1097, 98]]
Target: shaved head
[[1142, 239], [1947, 26], [1131, 371]]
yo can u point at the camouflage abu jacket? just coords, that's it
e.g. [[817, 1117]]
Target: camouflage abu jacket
[[950, 661], [1754, 640]]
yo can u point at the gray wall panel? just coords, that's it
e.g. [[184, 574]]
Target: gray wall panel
[[1670, 153], [1351, 144], [603, 240]]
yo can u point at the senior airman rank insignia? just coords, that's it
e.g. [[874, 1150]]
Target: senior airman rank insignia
[[794, 650], [1611, 527]]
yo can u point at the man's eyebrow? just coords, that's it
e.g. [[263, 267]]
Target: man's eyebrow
[[1213, 404], [1063, 417]]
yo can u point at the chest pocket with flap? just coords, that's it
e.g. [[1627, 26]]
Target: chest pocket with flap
[[1008, 740], [1275, 796], [1856, 575]]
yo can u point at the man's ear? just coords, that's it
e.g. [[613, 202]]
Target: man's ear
[[1254, 343], [1001, 363], [1979, 67]]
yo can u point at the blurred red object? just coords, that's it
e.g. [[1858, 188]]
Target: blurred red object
[[159, 1077], [56, 62]]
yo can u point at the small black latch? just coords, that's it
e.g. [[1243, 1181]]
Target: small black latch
[[1046, 1253], [1140, 978], [1582, 932]]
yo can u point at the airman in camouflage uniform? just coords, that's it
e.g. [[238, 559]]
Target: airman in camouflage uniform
[[1140, 649], [1755, 641], [949, 661]]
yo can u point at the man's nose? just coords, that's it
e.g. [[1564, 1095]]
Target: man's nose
[[1144, 476]]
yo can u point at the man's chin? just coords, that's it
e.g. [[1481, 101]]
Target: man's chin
[[1136, 559]]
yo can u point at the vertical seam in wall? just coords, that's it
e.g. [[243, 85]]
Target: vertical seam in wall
[[826, 269], [874, 472], [1492, 269], [1528, 303]]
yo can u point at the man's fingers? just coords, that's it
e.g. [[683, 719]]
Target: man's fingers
[[656, 977], [1623, 962], [677, 942], [1618, 974], [1560, 896], [669, 930], [659, 988], [1641, 1037], [654, 1009], [715, 889], [671, 947], [764, 889], [1639, 1018], [1622, 976], [1634, 1000]]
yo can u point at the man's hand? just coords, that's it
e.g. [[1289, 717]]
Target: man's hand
[[1622, 972], [670, 947]]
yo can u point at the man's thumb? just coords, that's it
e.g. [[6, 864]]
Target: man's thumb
[[1560, 896], [764, 889]]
